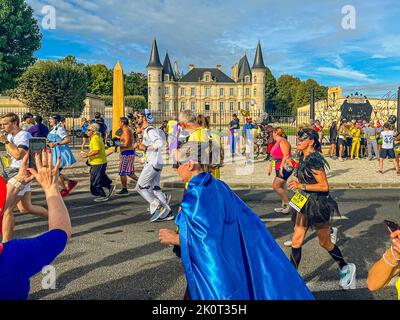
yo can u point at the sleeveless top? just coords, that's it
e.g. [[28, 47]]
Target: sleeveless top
[[277, 154]]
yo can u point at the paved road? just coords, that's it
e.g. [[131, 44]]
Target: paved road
[[114, 253]]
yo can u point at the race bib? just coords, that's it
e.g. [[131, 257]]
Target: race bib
[[273, 163], [298, 201]]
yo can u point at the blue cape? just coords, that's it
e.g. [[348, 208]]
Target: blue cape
[[226, 250]]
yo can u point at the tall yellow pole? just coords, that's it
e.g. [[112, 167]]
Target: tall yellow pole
[[118, 98]]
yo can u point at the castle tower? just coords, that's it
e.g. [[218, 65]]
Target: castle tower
[[258, 81], [169, 78], [154, 78]]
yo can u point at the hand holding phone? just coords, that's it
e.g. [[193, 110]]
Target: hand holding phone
[[36, 145], [393, 226]]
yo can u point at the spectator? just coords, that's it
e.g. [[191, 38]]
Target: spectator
[[333, 136], [27, 121], [21, 259], [387, 150], [233, 127], [58, 141], [248, 138], [97, 161], [39, 130], [388, 267], [17, 145]]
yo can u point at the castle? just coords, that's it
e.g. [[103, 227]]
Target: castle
[[206, 90]]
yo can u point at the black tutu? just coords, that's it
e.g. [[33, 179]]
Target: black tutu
[[319, 210]]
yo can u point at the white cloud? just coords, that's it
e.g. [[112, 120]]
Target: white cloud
[[343, 73], [378, 56]]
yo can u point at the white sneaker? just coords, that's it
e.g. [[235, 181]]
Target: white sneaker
[[153, 207], [334, 237], [112, 190], [158, 213], [288, 243], [348, 276], [278, 209], [167, 198], [101, 199]]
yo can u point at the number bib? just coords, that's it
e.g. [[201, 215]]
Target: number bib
[[298, 201], [273, 163]]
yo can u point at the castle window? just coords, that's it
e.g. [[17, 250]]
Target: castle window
[[207, 78], [192, 92], [207, 92], [221, 106], [149, 91], [193, 106], [221, 92], [231, 107], [255, 79], [255, 91], [207, 106], [149, 76], [239, 91], [247, 79], [182, 105], [247, 105], [231, 92], [247, 92], [166, 91], [166, 77], [182, 91]]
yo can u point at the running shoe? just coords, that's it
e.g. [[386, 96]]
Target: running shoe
[[101, 199], [288, 243], [348, 276], [71, 185], [278, 209], [64, 193], [160, 211], [334, 237], [111, 191], [122, 193], [285, 209], [170, 216]]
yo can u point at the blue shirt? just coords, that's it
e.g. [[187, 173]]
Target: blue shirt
[[23, 258], [39, 131], [248, 126]]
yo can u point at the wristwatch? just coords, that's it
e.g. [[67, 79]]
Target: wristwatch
[[15, 183], [304, 187]]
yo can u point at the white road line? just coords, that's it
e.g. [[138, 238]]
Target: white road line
[[289, 219]]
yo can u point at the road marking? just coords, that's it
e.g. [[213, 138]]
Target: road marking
[[290, 219]]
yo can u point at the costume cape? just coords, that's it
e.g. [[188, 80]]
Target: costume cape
[[226, 250]]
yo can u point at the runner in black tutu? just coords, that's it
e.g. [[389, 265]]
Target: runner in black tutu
[[320, 206]]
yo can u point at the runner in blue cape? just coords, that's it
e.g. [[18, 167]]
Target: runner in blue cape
[[226, 250]]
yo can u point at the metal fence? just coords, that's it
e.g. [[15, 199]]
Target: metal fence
[[219, 121]]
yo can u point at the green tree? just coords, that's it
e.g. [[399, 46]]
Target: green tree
[[100, 79], [20, 37], [270, 91], [53, 86], [135, 103], [136, 84], [303, 94], [287, 86]]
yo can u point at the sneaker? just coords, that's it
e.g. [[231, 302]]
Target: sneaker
[[101, 199], [334, 237], [279, 210], [71, 184], [122, 193], [288, 243], [111, 191], [160, 211], [285, 209], [64, 193], [170, 216], [348, 276]]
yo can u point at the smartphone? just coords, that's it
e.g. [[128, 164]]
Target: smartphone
[[393, 226], [36, 145]]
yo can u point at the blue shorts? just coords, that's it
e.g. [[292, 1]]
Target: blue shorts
[[285, 174]]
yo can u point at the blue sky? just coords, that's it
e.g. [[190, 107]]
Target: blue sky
[[302, 38]]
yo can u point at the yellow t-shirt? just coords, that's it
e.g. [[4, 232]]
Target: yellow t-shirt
[[171, 125], [96, 143]]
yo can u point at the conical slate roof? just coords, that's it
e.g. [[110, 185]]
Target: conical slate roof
[[154, 57], [167, 68], [258, 60], [244, 69]]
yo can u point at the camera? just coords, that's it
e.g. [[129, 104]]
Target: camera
[[112, 142]]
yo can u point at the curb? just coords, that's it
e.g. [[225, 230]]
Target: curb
[[333, 186]]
